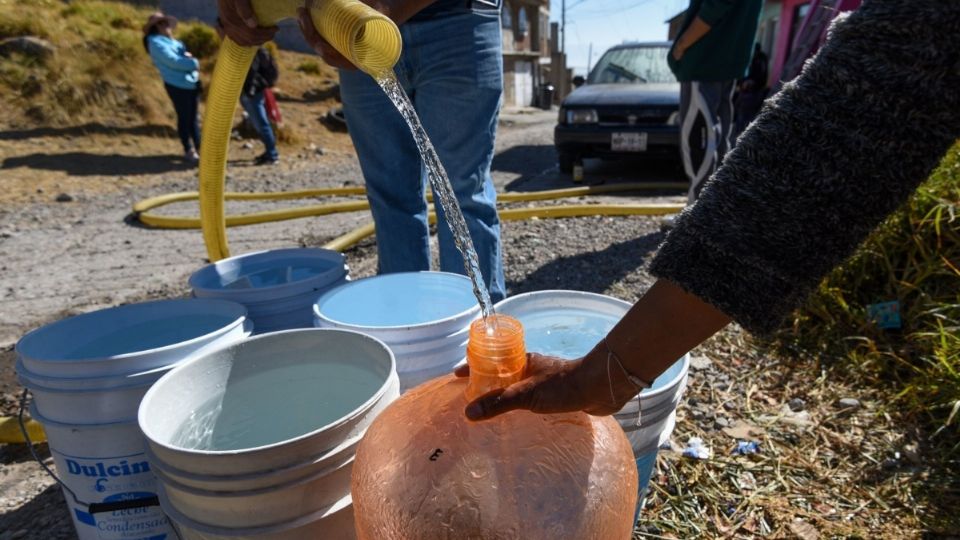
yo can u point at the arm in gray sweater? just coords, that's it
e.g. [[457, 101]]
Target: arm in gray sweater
[[830, 156]]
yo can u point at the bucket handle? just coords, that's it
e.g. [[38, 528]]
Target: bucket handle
[[92, 508]]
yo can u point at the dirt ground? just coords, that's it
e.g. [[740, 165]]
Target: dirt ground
[[68, 244]]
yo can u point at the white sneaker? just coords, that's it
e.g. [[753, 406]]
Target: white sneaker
[[192, 156]]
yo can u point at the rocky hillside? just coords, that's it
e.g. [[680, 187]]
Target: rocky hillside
[[82, 62]]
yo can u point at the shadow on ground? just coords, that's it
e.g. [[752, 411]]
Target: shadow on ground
[[529, 161], [45, 517], [87, 164], [591, 271], [538, 169], [148, 130]]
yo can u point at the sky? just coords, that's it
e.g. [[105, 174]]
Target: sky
[[605, 23]]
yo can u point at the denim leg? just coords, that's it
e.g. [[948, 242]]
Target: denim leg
[[193, 116], [457, 73], [181, 104], [257, 110], [392, 171]]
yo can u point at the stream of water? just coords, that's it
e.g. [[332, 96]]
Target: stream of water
[[442, 190]]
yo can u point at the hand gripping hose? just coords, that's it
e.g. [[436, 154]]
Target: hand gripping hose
[[363, 35]]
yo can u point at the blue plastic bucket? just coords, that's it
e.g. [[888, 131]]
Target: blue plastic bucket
[[278, 287], [424, 317]]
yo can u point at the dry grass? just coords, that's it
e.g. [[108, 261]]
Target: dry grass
[[824, 472], [99, 73], [889, 469]]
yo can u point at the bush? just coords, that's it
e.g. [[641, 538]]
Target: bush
[[201, 40], [309, 67], [11, 26], [113, 14], [913, 258]]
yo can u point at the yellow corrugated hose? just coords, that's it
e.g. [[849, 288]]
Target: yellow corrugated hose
[[142, 209], [233, 62], [344, 242], [363, 35]]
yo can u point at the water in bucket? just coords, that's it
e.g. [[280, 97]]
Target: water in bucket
[[273, 276], [268, 406], [257, 440]]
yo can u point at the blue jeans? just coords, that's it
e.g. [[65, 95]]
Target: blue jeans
[[451, 68], [185, 103], [257, 110]]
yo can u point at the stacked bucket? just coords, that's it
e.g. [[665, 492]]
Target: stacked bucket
[[257, 440], [568, 324], [278, 287], [88, 374], [424, 317]]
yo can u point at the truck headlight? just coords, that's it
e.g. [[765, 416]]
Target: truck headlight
[[581, 116]]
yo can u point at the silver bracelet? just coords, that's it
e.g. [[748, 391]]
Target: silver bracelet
[[638, 383]]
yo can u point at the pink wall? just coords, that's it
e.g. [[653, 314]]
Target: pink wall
[[787, 16]]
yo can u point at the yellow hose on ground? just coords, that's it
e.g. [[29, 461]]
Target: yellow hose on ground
[[344, 242], [10, 431], [142, 209], [363, 35]]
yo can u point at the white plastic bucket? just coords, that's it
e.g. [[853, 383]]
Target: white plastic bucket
[[568, 324], [424, 317], [257, 480], [88, 402], [103, 463], [88, 374], [334, 522], [128, 339], [278, 286], [106, 399], [258, 438]]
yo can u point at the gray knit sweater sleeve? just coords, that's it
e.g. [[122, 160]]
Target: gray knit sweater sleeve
[[828, 158]]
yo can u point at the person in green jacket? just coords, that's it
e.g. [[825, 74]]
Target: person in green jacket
[[711, 52]]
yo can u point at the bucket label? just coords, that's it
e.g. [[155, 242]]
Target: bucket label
[[111, 486]]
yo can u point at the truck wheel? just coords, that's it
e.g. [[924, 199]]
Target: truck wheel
[[566, 161]]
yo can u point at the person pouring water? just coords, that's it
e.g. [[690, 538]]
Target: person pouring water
[[452, 69]]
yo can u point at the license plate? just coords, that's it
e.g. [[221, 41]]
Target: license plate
[[628, 142]]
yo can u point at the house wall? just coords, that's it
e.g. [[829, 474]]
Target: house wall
[[792, 23], [526, 50], [518, 82]]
